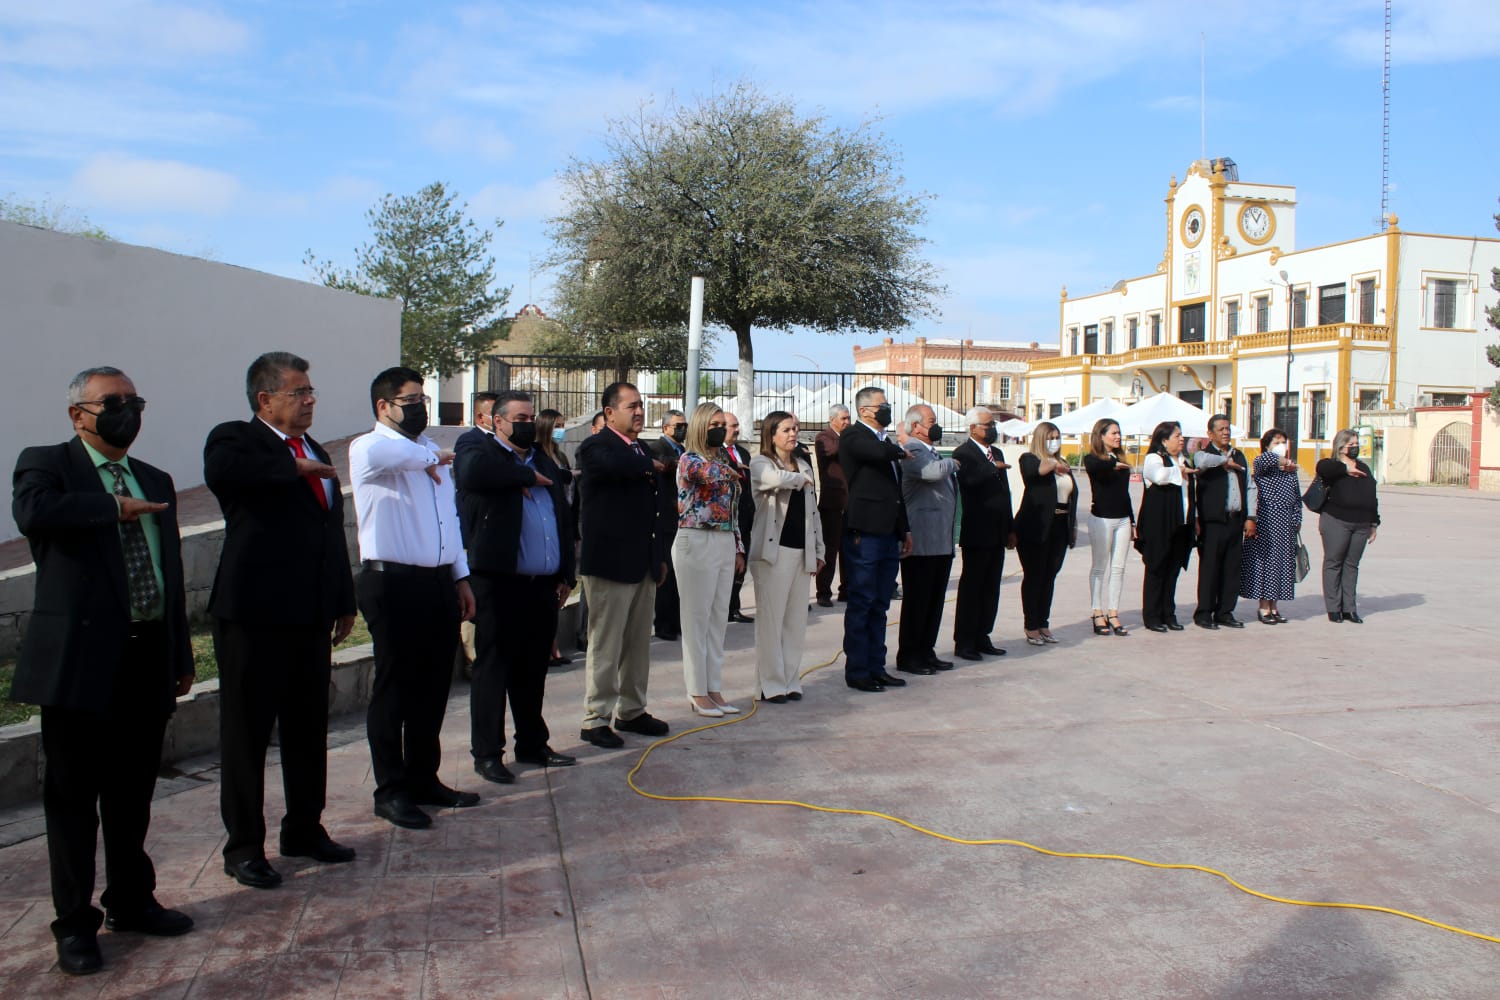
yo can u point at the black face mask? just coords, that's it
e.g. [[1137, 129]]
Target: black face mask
[[679, 433], [715, 437], [523, 434], [1352, 451], [988, 434], [413, 419], [883, 415], [117, 426], [935, 433]]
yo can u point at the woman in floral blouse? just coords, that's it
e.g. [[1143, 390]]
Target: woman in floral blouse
[[707, 554]]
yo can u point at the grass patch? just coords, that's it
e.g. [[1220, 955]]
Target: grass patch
[[205, 667]]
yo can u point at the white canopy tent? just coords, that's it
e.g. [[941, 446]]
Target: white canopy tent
[[1142, 418]]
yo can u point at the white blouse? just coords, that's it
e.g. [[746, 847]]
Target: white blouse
[[1158, 473]]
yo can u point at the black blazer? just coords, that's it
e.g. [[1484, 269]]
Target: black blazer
[[747, 495], [618, 510], [467, 439], [285, 559], [1211, 487], [666, 488], [1039, 503], [70, 654], [987, 512], [492, 478], [875, 503]]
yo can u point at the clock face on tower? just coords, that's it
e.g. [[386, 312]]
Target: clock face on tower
[[1257, 221], [1192, 226]]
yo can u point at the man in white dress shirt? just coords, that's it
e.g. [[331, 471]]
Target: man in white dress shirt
[[413, 590]]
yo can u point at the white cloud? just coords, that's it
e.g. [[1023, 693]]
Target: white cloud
[[518, 203], [127, 184], [69, 34]]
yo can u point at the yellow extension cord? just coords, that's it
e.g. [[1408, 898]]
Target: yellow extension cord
[[755, 707]]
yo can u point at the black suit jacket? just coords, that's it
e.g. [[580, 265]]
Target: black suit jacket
[[491, 479], [70, 655], [467, 439], [1211, 487], [666, 489], [987, 510], [833, 490], [619, 511], [285, 559], [875, 503], [747, 495], [1039, 502]]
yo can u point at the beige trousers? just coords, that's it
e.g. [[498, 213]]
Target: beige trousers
[[780, 621], [619, 653], [703, 559]]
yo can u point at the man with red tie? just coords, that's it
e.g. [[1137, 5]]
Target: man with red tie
[[282, 598]]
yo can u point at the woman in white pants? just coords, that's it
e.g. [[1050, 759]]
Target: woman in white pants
[[1111, 524], [706, 555], [786, 548]]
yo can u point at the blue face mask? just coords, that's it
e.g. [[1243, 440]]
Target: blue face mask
[[559, 434]]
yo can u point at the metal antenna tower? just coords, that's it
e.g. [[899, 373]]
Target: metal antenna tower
[[1385, 128]]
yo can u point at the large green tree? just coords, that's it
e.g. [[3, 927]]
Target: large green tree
[[588, 329], [48, 215], [1492, 313], [793, 222], [425, 252]]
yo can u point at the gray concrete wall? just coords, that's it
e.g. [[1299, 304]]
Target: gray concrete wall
[[184, 329]]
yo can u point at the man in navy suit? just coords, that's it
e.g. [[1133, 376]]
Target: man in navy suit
[[105, 657]]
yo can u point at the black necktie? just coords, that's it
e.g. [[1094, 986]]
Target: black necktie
[[140, 575]]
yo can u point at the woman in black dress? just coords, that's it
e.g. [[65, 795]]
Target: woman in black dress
[[1164, 527], [1046, 527], [1268, 571], [1346, 524]]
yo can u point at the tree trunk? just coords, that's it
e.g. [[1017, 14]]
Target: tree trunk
[[744, 402]]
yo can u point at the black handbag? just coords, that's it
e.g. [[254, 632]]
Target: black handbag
[[1316, 495]]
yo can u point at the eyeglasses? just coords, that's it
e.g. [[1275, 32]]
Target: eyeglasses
[[114, 402], [420, 399], [304, 393]]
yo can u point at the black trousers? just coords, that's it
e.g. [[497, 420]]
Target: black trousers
[[833, 539], [978, 595], [271, 675], [734, 593], [513, 629], [413, 617], [1220, 548], [668, 613], [1159, 585], [924, 586], [101, 771], [1041, 559]]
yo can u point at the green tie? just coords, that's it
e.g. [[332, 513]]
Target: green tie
[[140, 575]]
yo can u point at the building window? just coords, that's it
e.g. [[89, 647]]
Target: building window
[[1262, 313], [1299, 308], [1037, 412], [1055, 410], [1109, 336], [1073, 340], [1450, 399], [1253, 405], [1367, 300], [905, 383], [1226, 406], [950, 386], [1156, 329], [1004, 386], [1444, 303], [1286, 412], [1091, 339], [1232, 319], [1317, 424], [1369, 399], [1133, 325], [1330, 304]]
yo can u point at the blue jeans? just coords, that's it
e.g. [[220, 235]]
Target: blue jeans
[[872, 562]]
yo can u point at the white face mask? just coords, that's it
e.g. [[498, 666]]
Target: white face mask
[[1279, 449], [1054, 446]]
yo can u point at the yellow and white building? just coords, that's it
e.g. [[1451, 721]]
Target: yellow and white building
[[1393, 319]]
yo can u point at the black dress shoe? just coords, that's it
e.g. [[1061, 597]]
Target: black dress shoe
[[937, 664], [320, 848], [1267, 619], [1335, 616], [920, 669], [776, 699], [78, 954], [1350, 616], [156, 920], [667, 636], [1175, 625], [1204, 624], [1156, 628], [600, 736], [794, 696], [1229, 621], [403, 813], [825, 602], [881, 677], [990, 648], [444, 797], [256, 873], [547, 758], [559, 661], [493, 770], [865, 683], [644, 724], [967, 654], [740, 619]]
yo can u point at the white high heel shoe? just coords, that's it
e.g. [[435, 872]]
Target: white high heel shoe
[[707, 713]]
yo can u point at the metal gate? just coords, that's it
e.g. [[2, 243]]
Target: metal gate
[[1448, 458]]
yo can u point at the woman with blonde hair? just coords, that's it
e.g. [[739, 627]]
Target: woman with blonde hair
[[786, 548], [1346, 523], [1111, 523], [707, 553], [1046, 527]]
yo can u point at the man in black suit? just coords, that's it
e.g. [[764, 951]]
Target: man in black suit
[[105, 656], [484, 427], [521, 561], [282, 588], [984, 533], [876, 537], [667, 449], [1226, 497], [833, 496], [739, 457], [621, 563]]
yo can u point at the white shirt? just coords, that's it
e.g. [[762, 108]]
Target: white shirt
[[327, 483], [405, 517], [1157, 473]]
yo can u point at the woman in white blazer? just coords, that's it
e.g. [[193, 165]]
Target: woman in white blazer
[[786, 547]]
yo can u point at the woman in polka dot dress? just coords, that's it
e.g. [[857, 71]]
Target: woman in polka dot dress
[[1269, 569]]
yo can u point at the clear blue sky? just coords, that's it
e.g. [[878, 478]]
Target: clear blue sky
[[1046, 131]]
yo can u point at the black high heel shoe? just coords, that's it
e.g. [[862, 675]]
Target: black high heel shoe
[[1267, 618], [1101, 625], [1116, 626]]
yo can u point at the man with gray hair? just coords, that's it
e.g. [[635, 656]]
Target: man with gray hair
[[833, 496], [930, 491], [105, 657], [984, 533]]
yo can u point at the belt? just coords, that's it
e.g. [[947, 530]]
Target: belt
[[404, 569], [1059, 510], [144, 629]]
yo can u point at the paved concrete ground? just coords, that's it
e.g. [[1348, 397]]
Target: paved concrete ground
[[1312, 760]]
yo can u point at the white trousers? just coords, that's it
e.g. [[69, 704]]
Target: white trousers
[[780, 621], [703, 559], [1110, 539]]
